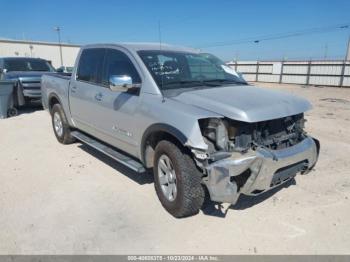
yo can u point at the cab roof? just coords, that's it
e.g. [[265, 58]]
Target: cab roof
[[145, 46]]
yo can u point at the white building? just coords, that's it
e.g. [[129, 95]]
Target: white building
[[48, 51]]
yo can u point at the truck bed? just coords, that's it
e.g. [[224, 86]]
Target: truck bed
[[55, 84], [62, 75]]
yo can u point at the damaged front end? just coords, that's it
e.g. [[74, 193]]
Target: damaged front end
[[251, 158]]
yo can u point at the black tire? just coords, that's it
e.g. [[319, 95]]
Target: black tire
[[12, 112], [190, 192], [64, 138]]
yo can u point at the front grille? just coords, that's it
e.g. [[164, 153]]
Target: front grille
[[31, 82], [33, 85]]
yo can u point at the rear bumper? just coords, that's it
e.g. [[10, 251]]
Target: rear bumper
[[257, 171]]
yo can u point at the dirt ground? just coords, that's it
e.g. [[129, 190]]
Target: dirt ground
[[57, 199]]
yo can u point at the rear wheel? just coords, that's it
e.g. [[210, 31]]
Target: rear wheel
[[60, 125], [177, 180]]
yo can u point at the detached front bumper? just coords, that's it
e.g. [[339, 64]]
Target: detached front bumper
[[257, 171]]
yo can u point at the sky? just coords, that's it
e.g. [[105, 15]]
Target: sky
[[190, 23]]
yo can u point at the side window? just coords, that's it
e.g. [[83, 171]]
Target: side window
[[118, 63], [90, 65]]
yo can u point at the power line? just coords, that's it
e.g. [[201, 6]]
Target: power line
[[316, 30]]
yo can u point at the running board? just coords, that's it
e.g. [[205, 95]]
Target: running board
[[109, 151]]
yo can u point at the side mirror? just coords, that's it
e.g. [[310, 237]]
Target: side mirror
[[121, 83]]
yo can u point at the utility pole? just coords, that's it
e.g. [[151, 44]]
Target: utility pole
[[58, 30], [347, 57], [325, 51], [31, 50], [236, 56]]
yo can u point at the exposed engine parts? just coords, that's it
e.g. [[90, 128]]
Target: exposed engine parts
[[234, 136], [216, 131]]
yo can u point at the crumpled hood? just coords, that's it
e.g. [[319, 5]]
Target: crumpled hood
[[245, 103], [24, 75]]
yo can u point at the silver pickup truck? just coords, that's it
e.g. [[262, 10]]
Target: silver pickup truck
[[184, 114]]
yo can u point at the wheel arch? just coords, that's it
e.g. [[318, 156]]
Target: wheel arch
[[52, 100], [153, 135]]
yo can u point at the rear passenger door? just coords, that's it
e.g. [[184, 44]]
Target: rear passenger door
[[84, 90]]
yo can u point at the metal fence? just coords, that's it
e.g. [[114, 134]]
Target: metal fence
[[322, 73]]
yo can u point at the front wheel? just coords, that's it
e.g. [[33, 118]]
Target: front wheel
[[177, 180], [60, 125]]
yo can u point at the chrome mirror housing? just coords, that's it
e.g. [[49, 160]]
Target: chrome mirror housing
[[121, 83]]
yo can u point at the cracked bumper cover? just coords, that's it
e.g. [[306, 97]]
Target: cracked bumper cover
[[266, 170]]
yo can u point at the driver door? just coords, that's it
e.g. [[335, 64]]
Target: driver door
[[115, 110]]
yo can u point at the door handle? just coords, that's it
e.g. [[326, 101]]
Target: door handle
[[98, 96], [73, 89]]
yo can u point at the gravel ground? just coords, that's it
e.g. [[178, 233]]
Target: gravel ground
[[57, 199]]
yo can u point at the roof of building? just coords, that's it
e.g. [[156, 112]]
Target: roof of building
[[20, 58], [134, 46], [4, 40]]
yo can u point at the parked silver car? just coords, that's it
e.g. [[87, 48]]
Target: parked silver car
[[186, 115]]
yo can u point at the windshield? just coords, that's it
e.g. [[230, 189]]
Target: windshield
[[173, 70], [27, 65]]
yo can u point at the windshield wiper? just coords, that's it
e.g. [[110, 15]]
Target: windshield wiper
[[196, 82], [224, 81]]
